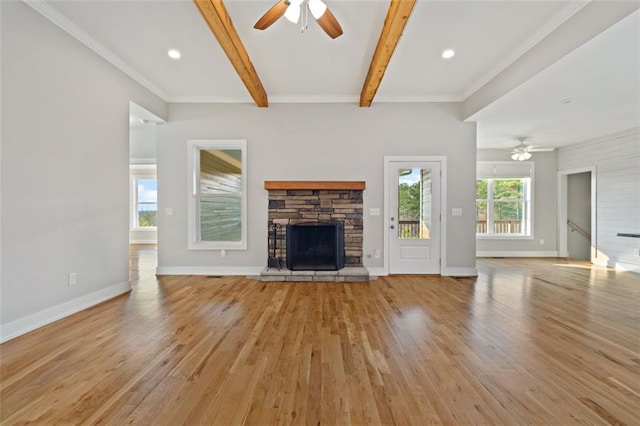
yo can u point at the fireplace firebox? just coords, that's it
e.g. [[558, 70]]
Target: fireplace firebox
[[315, 246]]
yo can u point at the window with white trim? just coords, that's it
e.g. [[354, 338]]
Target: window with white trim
[[504, 200], [144, 203], [217, 195]]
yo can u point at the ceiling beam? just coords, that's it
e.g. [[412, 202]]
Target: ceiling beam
[[219, 21], [397, 16]]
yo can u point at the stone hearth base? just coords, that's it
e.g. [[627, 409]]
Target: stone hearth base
[[348, 274]]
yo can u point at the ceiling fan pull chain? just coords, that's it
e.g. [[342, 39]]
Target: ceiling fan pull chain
[[304, 20]]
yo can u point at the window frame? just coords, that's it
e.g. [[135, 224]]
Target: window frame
[[528, 201], [134, 219], [193, 209]]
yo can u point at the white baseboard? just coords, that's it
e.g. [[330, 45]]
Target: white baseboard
[[210, 270], [460, 272], [143, 241], [29, 323], [517, 254], [377, 272], [629, 267], [446, 272], [618, 266]]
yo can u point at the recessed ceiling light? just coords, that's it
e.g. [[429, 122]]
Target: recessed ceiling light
[[174, 54], [448, 54]]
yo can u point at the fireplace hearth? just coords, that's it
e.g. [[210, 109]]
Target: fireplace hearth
[[310, 206]]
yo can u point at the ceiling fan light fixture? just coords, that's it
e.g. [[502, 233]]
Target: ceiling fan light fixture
[[293, 12], [174, 54], [448, 53], [520, 154], [317, 8]]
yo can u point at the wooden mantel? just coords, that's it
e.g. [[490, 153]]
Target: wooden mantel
[[326, 185]]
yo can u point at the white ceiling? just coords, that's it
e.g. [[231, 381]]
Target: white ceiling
[[593, 91], [310, 67]]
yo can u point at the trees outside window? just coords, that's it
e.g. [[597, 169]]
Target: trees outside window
[[503, 206], [145, 203]]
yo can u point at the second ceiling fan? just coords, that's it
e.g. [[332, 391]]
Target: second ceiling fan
[[294, 9]]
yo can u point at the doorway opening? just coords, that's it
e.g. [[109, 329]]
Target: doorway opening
[[577, 237], [143, 193]]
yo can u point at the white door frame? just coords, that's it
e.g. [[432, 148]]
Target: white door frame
[[442, 159], [563, 180]]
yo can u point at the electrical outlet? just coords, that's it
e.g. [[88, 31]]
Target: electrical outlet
[[376, 253], [223, 253], [541, 241], [73, 279]]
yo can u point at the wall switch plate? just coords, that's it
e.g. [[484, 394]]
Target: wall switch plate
[[456, 211], [374, 211], [168, 211], [73, 279]]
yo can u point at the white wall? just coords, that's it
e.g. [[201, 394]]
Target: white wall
[[617, 162], [579, 212], [313, 142], [544, 209], [142, 144], [65, 172]]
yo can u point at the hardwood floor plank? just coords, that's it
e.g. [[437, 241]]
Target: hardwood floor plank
[[529, 341]]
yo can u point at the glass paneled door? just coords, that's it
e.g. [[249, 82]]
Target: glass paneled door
[[414, 217]]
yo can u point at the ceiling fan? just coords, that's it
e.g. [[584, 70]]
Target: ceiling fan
[[294, 9], [523, 151]]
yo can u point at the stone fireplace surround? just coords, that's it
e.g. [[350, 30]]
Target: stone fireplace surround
[[292, 202]]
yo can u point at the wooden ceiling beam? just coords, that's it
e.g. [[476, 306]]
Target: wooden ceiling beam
[[219, 21], [397, 16]]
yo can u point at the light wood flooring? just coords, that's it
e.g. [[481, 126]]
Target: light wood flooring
[[535, 341]]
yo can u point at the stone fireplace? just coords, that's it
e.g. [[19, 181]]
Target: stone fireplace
[[295, 202]]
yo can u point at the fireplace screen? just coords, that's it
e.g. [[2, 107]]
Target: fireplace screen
[[315, 246]]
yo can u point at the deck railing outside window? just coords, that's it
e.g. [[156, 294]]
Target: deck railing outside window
[[500, 227]]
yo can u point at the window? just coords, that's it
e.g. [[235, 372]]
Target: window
[[414, 203], [503, 200], [217, 195], [144, 203]]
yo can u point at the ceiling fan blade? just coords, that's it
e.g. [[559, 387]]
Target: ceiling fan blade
[[541, 149], [272, 15], [330, 24]]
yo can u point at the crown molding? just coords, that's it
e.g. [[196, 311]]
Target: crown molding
[[46, 10], [314, 99], [419, 99], [196, 99], [550, 26]]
